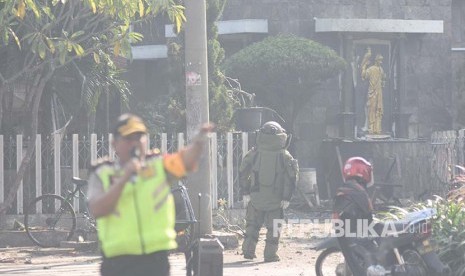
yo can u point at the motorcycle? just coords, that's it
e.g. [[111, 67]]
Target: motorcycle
[[332, 255], [409, 245]]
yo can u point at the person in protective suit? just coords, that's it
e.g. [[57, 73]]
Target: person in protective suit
[[352, 204], [268, 175]]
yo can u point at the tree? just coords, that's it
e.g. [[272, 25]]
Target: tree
[[283, 71], [41, 37], [220, 104], [83, 95]]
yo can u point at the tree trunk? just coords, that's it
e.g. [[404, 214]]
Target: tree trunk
[[6, 105], [296, 107], [25, 162]]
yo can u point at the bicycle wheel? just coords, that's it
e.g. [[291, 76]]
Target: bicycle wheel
[[331, 263], [49, 219]]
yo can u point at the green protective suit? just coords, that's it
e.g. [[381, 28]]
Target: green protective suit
[[268, 173]]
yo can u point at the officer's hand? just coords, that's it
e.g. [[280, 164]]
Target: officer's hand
[[202, 136], [284, 204], [207, 127], [246, 200]]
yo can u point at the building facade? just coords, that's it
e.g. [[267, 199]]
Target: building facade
[[422, 44]]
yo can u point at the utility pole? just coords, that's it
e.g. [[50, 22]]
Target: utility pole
[[196, 69]]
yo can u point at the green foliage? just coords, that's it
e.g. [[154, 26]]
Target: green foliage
[[222, 220], [41, 37], [220, 105], [171, 117], [162, 117], [60, 30], [83, 88], [283, 70], [286, 58], [94, 80], [449, 230]]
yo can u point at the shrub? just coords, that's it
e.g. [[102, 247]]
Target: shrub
[[448, 229]]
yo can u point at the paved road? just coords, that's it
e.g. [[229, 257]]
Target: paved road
[[75, 268], [81, 267], [89, 266], [297, 259]]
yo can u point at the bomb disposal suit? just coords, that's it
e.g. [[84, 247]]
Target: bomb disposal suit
[[268, 175]]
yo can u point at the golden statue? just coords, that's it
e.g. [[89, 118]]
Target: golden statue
[[374, 105]]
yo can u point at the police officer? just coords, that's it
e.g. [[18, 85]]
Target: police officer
[[132, 202], [268, 175]]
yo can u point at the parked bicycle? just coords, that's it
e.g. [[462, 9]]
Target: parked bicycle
[[50, 218]]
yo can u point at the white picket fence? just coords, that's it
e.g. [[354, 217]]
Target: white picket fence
[[64, 154]]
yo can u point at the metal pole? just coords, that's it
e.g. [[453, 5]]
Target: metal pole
[[197, 105]]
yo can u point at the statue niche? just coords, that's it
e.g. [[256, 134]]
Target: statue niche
[[372, 96]]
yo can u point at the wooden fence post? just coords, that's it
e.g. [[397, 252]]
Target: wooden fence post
[[76, 166], [461, 138], [93, 148], [214, 170], [180, 140], [147, 148], [230, 168], [245, 143], [39, 172], [2, 171], [94, 152], [164, 143], [111, 150], [57, 162], [19, 158]]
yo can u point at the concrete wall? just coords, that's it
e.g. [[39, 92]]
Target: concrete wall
[[426, 69], [458, 59], [404, 163]]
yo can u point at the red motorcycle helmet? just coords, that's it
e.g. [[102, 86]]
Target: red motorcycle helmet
[[359, 169]]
